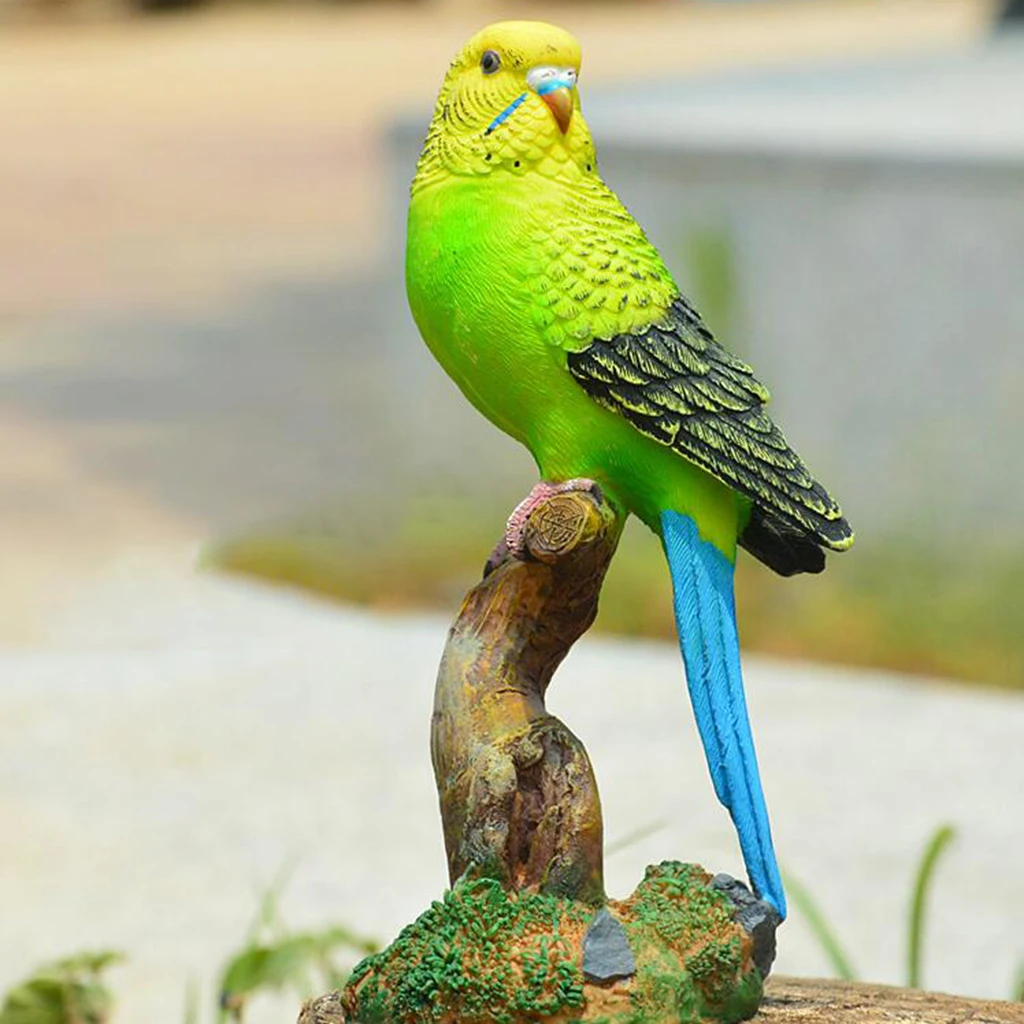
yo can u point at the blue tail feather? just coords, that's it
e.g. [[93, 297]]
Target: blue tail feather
[[702, 583]]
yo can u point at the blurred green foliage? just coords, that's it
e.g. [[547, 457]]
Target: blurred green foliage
[[273, 958], [302, 962], [71, 991]]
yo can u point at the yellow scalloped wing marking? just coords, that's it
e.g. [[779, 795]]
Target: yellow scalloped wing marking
[[597, 275]]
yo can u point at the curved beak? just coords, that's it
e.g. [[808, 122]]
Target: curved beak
[[559, 102], [555, 87]]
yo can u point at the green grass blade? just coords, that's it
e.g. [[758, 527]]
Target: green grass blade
[[842, 966], [941, 839], [268, 917]]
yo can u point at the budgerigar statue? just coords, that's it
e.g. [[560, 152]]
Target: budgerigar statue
[[543, 299]]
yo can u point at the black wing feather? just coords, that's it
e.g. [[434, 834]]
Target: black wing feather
[[676, 384]]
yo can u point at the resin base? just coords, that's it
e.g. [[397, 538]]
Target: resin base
[[685, 947]]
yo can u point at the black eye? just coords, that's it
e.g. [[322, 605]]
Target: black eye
[[490, 62]]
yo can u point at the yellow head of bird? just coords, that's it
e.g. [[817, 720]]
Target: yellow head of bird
[[510, 95]]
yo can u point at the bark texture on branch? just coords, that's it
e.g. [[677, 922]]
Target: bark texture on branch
[[804, 1001], [518, 797]]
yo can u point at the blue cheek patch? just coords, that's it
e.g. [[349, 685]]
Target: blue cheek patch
[[505, 114]]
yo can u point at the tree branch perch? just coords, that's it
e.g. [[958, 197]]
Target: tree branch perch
[[518, 797]]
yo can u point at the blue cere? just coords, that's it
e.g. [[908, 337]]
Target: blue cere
[[552, 84], [505, 114]]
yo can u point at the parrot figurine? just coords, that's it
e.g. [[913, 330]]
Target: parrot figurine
[[542, 298]]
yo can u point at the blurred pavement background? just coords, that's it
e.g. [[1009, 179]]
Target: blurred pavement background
[[182, 741]]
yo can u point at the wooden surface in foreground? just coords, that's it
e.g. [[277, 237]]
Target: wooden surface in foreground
[[812, 1001], [809, 1001]]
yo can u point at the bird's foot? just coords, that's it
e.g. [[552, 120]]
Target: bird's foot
[[515, 530]]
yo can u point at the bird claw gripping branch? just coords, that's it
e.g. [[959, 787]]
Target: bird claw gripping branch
[[515, 529]]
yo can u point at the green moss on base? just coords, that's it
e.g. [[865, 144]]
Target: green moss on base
[[691, 944], [483, 955], [674, 903], [742, 1001]]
